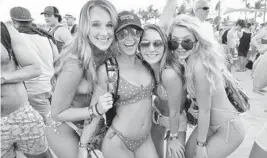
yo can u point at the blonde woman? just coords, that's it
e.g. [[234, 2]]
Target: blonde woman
[[220, 130], [75, 78], [169, 119]]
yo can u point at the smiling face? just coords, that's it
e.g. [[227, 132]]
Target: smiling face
[[101, 32], [128, 40], [151, 46], [182, 34]]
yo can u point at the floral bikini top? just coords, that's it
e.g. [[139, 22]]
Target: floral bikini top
[[130, 94]]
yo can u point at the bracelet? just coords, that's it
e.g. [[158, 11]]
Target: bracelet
[[91, 112], [98, 113], [173, 136], [82, 145], [201, 144]]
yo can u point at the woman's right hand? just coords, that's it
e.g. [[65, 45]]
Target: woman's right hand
[[192, 111], [175, 149], [104, 103]]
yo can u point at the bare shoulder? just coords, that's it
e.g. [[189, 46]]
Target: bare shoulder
[[169, 75], [62, 30], [16, 37]]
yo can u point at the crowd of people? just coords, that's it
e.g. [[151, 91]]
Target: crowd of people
[[127, 89]]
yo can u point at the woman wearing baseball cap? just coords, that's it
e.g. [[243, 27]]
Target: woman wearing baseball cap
[[129, 131], [74, 82], [61, 34]]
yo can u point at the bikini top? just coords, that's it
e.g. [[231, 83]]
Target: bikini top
[[130, 94]]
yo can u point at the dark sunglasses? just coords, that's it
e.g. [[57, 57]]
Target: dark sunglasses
[[146, 44], [122, 34], [186, 44], [205, 8]]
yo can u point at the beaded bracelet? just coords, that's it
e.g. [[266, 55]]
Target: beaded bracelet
[[201, 144], [91, 112], [173, 136]]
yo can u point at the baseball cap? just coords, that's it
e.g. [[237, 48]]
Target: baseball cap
[[126, 18], [69, 16], [20, 14], [51, 10]]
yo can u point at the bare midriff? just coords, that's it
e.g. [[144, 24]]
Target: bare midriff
[[134, 120], [13, 95]]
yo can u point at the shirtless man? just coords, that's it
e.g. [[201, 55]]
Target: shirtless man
[[21, 125]]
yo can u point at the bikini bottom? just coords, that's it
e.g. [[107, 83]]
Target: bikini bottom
[[131, 144], [230, 123]]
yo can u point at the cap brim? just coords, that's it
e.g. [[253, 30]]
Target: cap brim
[[52, 13], [126, 25], [23, 19]]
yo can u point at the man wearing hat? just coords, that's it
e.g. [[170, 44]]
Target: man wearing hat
[[71, 23], [61, 34], [22, 127], [45, 51]]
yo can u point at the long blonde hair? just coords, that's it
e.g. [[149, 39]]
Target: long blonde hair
[[81, 46], [206, 49]]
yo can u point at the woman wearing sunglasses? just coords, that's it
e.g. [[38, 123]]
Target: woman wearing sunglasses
[[129, 133], [74, 81], [220, 130], [168, 120]]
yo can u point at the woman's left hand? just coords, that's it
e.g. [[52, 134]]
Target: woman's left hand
[[201, 152], [176, 147]]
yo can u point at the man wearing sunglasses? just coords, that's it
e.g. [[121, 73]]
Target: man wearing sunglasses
[[201, 11]]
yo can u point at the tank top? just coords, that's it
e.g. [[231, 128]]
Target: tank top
[[59, 44]]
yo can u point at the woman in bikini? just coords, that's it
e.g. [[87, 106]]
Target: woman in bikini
[[74, 79], [259, 67], [168, 120], [220, 130], [129, 131]]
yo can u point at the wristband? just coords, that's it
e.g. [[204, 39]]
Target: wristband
[[201, 144], [91, 112], [82, 145], [173, 136], [98, 113]]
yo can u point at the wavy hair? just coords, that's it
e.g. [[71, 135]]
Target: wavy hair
[[207, 49], [81, 47]]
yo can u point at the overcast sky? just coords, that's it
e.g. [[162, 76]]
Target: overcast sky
[[74, 6]]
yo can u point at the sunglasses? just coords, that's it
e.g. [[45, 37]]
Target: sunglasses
[[205, 8], [186, 44], [146, 44], [122, 34]]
